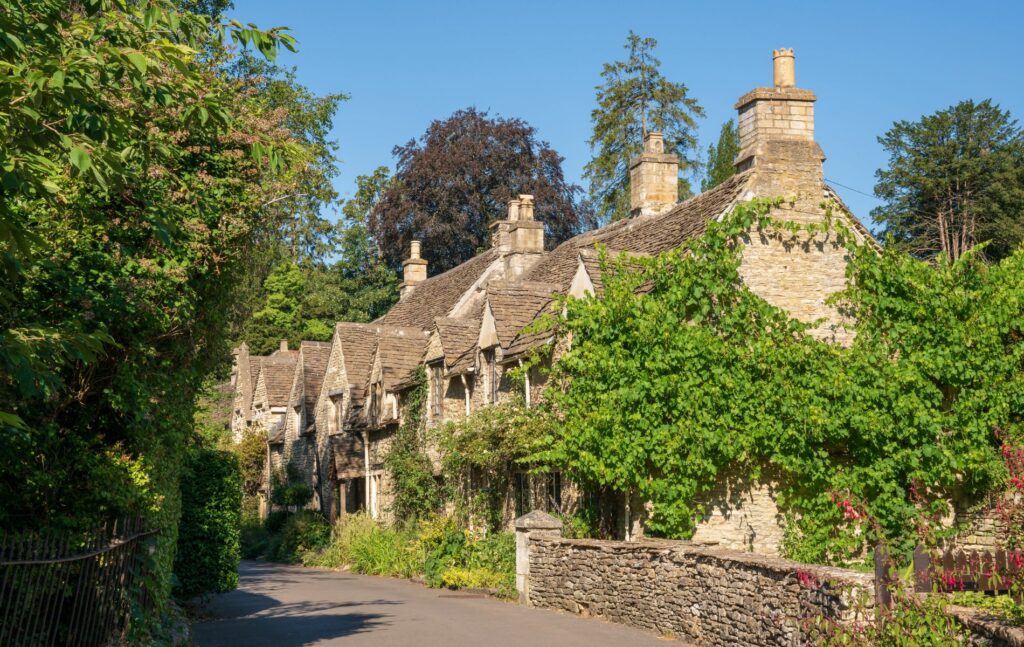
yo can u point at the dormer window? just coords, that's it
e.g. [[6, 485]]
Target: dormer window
[[436, 391]]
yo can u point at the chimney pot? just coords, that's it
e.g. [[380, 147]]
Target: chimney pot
[[784, 68], [513, 209], [525, 206], [654, 142], [414, 249]]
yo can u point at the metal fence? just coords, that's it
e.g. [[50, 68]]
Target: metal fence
[[73, 588]]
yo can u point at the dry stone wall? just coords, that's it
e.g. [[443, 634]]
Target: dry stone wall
[[704, 594]]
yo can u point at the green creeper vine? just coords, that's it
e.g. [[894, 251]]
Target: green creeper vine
[[679, 376], [416, 492]]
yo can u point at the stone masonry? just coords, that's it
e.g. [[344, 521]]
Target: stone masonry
[[700, 593]]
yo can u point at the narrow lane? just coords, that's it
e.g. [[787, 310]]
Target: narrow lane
[[285, 606]]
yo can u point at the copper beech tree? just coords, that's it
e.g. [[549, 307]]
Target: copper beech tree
[[453, 181]]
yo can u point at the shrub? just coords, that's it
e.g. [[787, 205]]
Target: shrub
[[208, 535], [275, 520], [253, 539], [472, 578], [304, 532]]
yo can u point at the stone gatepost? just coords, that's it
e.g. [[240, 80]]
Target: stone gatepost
[[531, 524]]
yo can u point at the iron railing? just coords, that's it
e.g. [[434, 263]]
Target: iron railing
[[76, 589]]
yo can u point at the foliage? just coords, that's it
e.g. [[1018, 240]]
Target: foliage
[[912, 622], [254, 540], [281, 316], [955, 178], [435, 548], [306, 237], [208, 534], [251, 451], [722, 157], [288, 488], [481, 454], [304, 532], [453, 182], [636, 98], [133, 179], [670, 388], [416, 492], [1003, 606], [367, 547]]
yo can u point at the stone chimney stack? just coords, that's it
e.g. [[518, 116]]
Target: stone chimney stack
[[777, 124], [284, 346], [414, 269], [776, 127], [519, 238], [653, 178]]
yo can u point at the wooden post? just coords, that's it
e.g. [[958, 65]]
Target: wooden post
[[883, 596], [922, 570]]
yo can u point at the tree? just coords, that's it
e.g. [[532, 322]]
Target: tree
[[134, 176], [304, 236], [455, 180], [955, 178], [635, 98], [281, 314], [367, 287], [721, 157]]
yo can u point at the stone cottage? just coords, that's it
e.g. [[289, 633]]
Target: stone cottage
[[466, 326]]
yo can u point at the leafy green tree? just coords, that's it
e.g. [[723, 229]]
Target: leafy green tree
[[955, 178], [368, 286], [636, 98], [721, 157], [133, 181], [307, 237], [297, 201], [281, 314]]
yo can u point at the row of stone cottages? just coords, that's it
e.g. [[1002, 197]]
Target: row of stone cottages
[[330, 408]]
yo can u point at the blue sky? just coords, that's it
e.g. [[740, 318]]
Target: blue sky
[[870, 63]]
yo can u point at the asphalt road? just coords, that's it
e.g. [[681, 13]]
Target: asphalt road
[[286, 606]]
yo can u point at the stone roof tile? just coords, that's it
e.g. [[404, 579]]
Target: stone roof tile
[[436, 296]]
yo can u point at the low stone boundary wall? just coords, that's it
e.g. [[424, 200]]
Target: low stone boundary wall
[[700, 593]]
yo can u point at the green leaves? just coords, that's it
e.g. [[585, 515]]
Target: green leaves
[[678, 377], [80, 158]]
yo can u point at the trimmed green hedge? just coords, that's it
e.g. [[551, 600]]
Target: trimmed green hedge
[[208, 537]]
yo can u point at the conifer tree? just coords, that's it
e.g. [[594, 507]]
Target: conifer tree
[[633, 99], [955, 178], [721, 156]]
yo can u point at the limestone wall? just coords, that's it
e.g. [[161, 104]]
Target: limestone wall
[[742, 515], [704, 594]]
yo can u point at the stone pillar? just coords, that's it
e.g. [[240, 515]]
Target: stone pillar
[[531, 524]]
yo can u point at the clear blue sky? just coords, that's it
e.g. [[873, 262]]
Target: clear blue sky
[[870, 63]]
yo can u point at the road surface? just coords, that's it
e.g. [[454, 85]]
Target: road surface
[[285, 606]]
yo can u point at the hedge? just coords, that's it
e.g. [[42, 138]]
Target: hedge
[[208, 536]]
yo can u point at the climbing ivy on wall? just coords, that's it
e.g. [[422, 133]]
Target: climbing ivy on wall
[[679, 375], [416, 492]]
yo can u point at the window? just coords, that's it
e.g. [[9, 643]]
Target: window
[[492, 375], [521, 493], [436, 391], [554, 493]]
